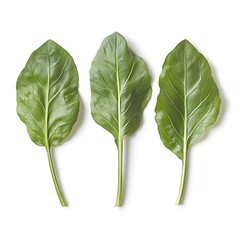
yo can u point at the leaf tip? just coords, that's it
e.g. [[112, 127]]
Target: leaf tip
[[186, 42], [50, 41], [117, 34]]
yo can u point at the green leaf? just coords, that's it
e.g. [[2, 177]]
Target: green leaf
[[188, 102], [48, 99], [121, 89]]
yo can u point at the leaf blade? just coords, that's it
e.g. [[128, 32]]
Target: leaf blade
[[113, 77], [199, 99], [47, 94]]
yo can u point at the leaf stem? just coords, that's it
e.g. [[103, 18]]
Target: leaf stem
[[54, 177], [183, 177], [119, 189]]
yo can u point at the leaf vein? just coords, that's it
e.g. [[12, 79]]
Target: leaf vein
[[33, 116], [199, 105], [172, 122], [128, 77], [62, 71], [107, 122], [174, 87], [43, 107], [174, 104]]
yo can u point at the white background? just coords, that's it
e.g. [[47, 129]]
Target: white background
[[87, 162]]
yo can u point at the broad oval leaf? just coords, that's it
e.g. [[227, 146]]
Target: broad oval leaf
[[47, 94], [121, 89], [120, 86], [48, 99], [188, 102]]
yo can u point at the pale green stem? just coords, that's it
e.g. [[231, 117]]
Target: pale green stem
[[54, 177], [183, 176], [119, 189]]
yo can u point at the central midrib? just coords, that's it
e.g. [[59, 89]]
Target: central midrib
[[185, 111], [46, 103], [119, 96]]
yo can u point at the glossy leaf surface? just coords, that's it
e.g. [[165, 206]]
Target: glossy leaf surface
[[120, 86], [189, 99], [47, 95]]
